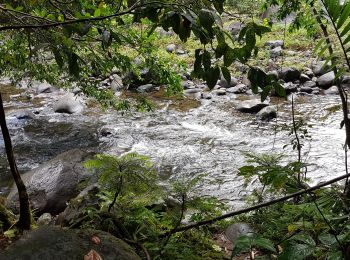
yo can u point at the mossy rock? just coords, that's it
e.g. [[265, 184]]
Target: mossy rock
[[54, 243]]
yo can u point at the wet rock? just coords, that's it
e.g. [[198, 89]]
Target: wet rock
[[23, 114], [171, 48], [309, 84], [267, 113], [53, 183], [223, 83], [274, 44], [306, 90], [219, 92], [332, 91], [45, 88], [192, 91], [326, 80], [290, 87], [251, 106], [315, 91], [239, 89], [289, 74], [55, 243], [304, 78], [206, 96], [276, 52], [145, 88], [69, 104], [319, 68], [236, 230]]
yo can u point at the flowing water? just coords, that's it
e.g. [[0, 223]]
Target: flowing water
[[209, 139]]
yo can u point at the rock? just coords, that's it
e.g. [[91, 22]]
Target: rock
[[309, 84], [315, 91], [274, 44], [306, 90], [219, 92], [235, 28], [223, 83], [76, 208], [69, 104], [45, 88], [145, 88], [332, 91], [246, 81], [180, 52], [187, 84], [55, 243], [326, 80], [23, 114], [116, 83], [345, 80], [273, 73], [236, 230], [251, 106], [290, 87], [192, 91], [319, 68], [304, 78], [308, 72], [206, 96], [171, 48], [267, 113], [289, 74], [239, 89], [44, 220], [276, 52], [54, 183]]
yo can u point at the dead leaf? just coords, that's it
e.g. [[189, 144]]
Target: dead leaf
[[96, 240], [92, 255]]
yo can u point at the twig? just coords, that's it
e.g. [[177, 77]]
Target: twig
[[258, 206]]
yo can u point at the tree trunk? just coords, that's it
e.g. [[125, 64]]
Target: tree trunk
[[24, 221]]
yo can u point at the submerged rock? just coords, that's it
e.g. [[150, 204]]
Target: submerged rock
[[54, 243], [251, 106]]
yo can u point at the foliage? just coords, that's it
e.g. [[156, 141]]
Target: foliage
[[143, 211]]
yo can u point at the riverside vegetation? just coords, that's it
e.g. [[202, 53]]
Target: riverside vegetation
[[101, 47]]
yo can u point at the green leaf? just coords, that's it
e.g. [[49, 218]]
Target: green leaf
[[344, 15], [265, 92], [73, 65], [206, 19], [280, 91], [97, 12], [212, 76], [206, 60], [219, 5], [263, 243]]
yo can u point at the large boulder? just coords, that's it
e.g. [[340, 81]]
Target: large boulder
[[326, 80], [69, 104], [251, 106], [319, 68], [54, 183], [267, 113], [289, 74], [54, 243]]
